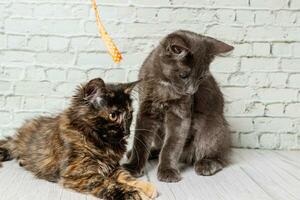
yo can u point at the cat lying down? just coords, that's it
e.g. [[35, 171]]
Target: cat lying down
[[81, 147]]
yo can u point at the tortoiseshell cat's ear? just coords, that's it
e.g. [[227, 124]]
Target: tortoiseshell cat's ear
[[128, 87], [219, 47], [93, 90]]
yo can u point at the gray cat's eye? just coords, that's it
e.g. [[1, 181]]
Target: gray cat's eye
[[184, 75]]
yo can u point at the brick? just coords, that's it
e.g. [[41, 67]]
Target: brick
[[222, 78], [132, 75], [65, 89], [295, 4], [243, 49], [17, 56], [76, 76], [115, 75], [21, 25], [13, 102], [225, 16], [278, 80], [225, 64], [33, 88], [58, 44], [35, 73], [146, 14], [285, 18], [263, 34], [55, 58], [265, 124], [2, 101], [235, 140], [226, 32], [189, 2], [275, 110], [281, 49], [33, 103], [56, 75], [62, 26], [245, 17], [290, 65], [261, 49], [292, 33], [293, 110], [5, 118], [269, 4], [51, 11], [154, 2], [276, 95], [264, 17], [20, 10], [249, 140], [97, 59], [239, 79], [16, 41], [5, 86], [288, 141], [244, 108], [259, 64], [238, 3], [294, 81], [54, 104], [3, 41], [22, 116], [237, 93], [240, 124], [296, 49], [95, 73], [80, 11], [37, 43], [11, 73], [269, 141]]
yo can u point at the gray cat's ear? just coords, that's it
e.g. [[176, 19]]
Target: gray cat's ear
[[128, 87], [93, 90], [220, 47], [177, 51], [176, 47]]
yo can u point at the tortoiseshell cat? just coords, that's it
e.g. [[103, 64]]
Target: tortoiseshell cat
[[81, 147], [181, 108]]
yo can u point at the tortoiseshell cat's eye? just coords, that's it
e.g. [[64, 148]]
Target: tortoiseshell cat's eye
[[113, 117]]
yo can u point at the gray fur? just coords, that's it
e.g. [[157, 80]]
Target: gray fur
[[181, 108]]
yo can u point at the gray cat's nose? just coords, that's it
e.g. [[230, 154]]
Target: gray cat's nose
[[191, 90]]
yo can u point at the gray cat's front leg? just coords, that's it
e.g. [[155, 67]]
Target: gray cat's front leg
[[146, 129], [177, 127]]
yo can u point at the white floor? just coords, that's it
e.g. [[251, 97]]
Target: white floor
[[253, 175]]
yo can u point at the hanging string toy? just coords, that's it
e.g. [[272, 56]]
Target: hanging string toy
[[110, 45]]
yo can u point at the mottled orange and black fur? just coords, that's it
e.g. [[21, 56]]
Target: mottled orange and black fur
[[81, 147]]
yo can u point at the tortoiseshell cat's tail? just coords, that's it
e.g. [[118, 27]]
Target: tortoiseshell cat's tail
[[5, 153]]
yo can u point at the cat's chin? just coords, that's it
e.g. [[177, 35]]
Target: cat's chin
[[115, 140]]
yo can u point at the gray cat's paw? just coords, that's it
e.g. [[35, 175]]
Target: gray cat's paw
[[208, 167], [133, 170], [168, 175]]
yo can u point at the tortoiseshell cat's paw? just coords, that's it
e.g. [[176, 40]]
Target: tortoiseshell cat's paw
[[134, 171], [147, 188], [168, 175], [208, 167], [135, 195]]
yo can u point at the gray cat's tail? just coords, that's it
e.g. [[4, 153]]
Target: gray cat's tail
[[5, 152]]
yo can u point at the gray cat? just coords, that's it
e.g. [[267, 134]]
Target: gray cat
[[181, 108]]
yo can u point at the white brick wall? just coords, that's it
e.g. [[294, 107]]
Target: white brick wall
[[49, 46]]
